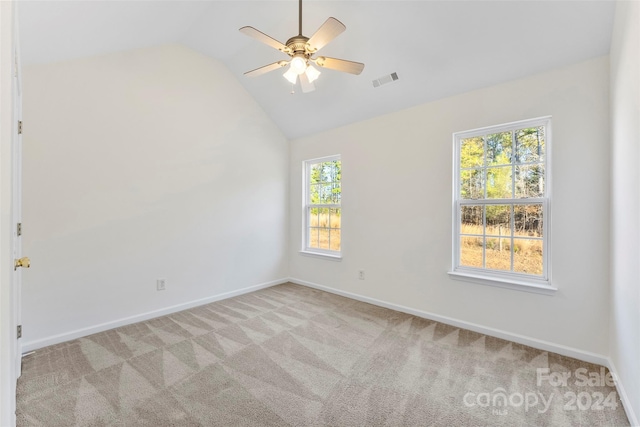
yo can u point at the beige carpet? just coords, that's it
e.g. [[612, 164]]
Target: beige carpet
[[294, 356]]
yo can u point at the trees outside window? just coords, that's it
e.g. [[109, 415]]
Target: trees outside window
[[322, 211], [501, 202]]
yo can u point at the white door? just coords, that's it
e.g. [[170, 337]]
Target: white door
[[10, 201], [20, 261]]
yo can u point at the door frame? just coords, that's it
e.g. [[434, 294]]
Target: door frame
[[16, 188], [9, 348]]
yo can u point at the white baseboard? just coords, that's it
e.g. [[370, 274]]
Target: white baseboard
[[626, 402], [78, 333], [520, 339]]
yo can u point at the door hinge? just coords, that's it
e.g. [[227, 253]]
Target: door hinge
[[19, 229], [19, 127], [19, 331]]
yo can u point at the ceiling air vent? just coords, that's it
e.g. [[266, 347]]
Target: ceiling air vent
[[385, 79]]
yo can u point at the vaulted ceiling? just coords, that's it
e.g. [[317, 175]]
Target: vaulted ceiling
[[437, 48]]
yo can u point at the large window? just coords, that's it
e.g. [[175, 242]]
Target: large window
[[322, 212], [501, 203]]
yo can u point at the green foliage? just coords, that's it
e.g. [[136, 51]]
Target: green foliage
[[472, 152], [324, 182], [499, 215], [507, 165], [487, 165], [499, 148], [499, 183], [530, 145]]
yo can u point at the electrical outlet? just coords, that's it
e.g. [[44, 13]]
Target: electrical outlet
[[361, 274], [161, 284]]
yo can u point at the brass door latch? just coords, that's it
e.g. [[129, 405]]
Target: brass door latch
[[24, 262]]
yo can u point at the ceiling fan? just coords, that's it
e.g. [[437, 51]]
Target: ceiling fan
[[301, 49]]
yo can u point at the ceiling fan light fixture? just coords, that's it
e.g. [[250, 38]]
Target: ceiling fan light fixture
[[291, 75], [298, 64], [312, 73]]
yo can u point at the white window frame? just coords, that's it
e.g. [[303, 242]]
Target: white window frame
[[306, 176], [506, 279]]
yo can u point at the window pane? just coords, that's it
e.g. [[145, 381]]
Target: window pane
[[324, 238], [499, 183], [326, 193], [314, 174], [336, 191], [499, 147], [335, 218], [529, 181], [471, 251], [325, 172], [528, 220], [527, 256], [471, 219], [313, 217], [471, 184], [498, 220], [328, 171], [498, 254], [314, 193], [471, 152], [323, 217], [530, 145], [335, 239], [313, 238]]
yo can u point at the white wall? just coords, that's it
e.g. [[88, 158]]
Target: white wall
[[397, 197], [625, 199], [146, 164]]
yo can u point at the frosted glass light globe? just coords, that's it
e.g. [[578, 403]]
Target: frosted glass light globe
[[312, 73], [291, 76], [298, 64]]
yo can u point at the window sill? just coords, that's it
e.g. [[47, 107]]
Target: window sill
[[321, 255], [535, 286]]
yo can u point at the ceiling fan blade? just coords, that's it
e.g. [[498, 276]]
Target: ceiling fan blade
[[305, 84], [328, 31], [340, 65], [266, 68], [260, 36]]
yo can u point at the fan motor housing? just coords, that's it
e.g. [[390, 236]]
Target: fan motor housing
[[298, 44]]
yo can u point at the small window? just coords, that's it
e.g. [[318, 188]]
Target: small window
[[501, 204], [322, 211]]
